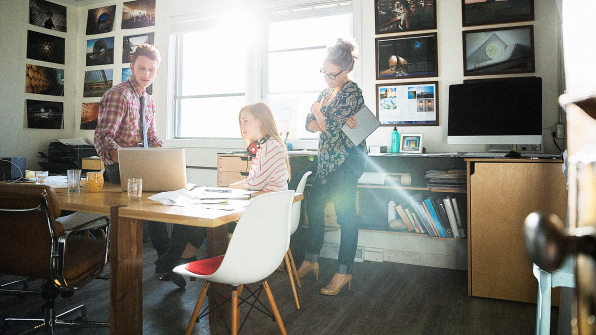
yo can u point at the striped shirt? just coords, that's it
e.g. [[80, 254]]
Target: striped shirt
[[118, 122], [268, 170]]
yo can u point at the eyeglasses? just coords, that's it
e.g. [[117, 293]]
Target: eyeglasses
[[330, 75]]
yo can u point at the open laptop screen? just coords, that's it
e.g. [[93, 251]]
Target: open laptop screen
[[162, 169]]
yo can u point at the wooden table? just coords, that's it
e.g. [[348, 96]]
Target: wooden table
[[126, 243]]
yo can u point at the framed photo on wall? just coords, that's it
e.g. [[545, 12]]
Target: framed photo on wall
[[408, 104], [476, 13], [499, 51], [407, 56], [410, 143], [393, 16]]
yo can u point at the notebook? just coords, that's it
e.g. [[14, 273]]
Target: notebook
[[162, 169], [366, 123]]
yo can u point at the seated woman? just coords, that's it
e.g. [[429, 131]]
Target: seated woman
[[269, 170]]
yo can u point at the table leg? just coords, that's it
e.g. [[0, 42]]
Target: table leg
[[217, 244], [126, 275]]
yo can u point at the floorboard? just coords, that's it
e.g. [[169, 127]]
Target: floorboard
[[385, 298]]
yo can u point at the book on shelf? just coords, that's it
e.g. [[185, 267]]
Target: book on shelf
[[449, 180], [417, 228], [451, 216], [404, 217], [434, 219], [421, 225], [459, 218], [442, 214], [420, 214]]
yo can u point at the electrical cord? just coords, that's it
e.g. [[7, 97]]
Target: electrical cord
[[554, 134]]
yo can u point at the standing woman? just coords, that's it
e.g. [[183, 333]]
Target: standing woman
[[340, 164], [269, 170]]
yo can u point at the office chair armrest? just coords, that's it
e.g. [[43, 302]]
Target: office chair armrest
[[93, 224]]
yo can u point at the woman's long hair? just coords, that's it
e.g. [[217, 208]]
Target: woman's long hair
[[263, 113]]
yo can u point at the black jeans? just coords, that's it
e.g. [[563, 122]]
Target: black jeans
[[338, 187]]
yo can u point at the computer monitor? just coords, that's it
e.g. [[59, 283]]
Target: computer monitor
[[501, 111]]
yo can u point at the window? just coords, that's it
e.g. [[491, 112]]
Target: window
[[275, 60]]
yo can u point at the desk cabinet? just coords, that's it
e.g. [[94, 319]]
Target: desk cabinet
[[501, 193]]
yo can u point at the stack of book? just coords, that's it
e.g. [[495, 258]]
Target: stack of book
[[449, 180], [434, 216]]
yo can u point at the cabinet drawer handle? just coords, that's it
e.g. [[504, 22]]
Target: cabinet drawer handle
[[244, 174], [245, 158]]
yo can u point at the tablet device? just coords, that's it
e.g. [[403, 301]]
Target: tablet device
[[366, 123]]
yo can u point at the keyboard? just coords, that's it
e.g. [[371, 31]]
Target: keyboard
[[485, 154]]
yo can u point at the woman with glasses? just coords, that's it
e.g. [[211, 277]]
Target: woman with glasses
[[340, 164]]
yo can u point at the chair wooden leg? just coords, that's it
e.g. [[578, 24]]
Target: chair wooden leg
[[274, 309], [294, 267], [291, 276], [195, 312], [235, 314]]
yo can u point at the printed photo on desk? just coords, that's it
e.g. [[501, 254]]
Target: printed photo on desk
[[410, 143], [499, 51], [408, 104]]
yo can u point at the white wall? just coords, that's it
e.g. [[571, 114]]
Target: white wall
[[17, 140]]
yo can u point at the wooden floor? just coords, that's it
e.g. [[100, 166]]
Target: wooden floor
[[386, 298]]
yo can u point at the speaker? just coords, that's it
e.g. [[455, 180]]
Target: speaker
[[12, 168]]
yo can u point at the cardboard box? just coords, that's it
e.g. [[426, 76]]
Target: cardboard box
[[92, 163]]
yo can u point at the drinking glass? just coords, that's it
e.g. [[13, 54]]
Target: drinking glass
[[73, 181], [94, 181], [41, 177], [135, 188]]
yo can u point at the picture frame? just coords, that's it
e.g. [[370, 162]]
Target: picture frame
[[393, 16], [408, 104], [408, 56], [476, 13], [410, 143], [499, 51]]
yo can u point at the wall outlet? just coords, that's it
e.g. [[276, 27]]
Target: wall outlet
[[560, 131]]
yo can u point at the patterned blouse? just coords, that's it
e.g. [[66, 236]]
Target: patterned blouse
[[118, 121], [334, 144]]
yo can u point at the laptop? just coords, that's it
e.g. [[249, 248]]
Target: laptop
[[162, 169]]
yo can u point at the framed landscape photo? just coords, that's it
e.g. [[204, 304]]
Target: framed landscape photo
[[407, 56], [410, 143], [393, 16], [408, 104], [499, 51], [482, 12]]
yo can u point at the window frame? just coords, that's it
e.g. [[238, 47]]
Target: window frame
[[257, 66]]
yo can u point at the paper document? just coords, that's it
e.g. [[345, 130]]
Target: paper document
[[212, 197], [73, 141], [366, 123]]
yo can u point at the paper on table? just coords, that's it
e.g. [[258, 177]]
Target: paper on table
[[366, 123], [208, 196], [54, 181]]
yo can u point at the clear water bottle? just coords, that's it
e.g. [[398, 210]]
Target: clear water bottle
[[394, 141], [391, 214]]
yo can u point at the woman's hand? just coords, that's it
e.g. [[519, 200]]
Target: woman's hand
[[315, 109], [351, 122], [239, 185]]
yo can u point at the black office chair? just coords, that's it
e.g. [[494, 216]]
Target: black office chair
[[34, 245]]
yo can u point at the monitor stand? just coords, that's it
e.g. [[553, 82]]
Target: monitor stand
[[513, 154]]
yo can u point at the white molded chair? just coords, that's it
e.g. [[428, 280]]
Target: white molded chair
[[288, 258], [563, 277], [260, 241]]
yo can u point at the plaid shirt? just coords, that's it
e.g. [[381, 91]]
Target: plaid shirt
[[118, 122]]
